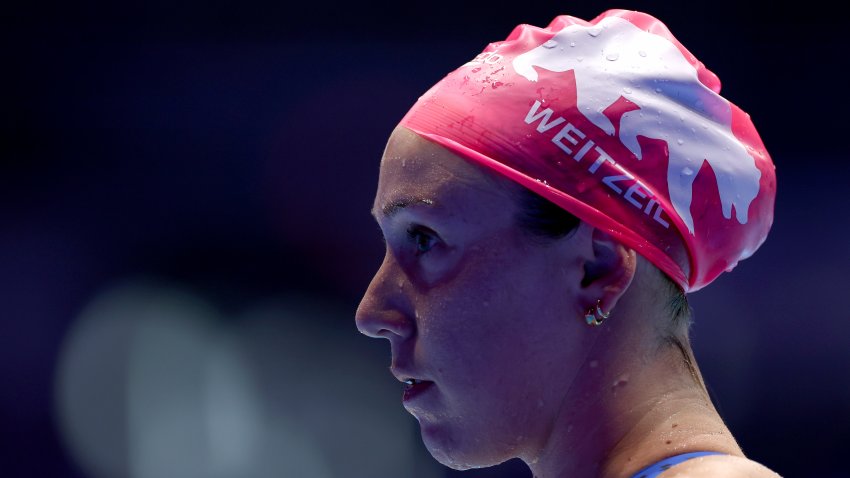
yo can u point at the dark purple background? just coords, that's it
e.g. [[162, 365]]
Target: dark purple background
[[234, 146]]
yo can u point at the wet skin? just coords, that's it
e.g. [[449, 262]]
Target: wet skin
[[472, 303]]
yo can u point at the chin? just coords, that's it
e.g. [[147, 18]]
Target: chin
[[452, 460], [458, 453]]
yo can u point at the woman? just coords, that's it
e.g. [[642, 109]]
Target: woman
[[545, 207]]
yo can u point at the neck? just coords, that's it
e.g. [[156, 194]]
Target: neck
[[615, 420]]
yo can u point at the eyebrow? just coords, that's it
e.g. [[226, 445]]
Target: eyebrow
[[390, 209]]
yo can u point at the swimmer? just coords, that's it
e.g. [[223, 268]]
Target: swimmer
[[546, 208]]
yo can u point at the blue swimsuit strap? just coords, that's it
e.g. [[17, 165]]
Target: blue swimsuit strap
[[656, 469]]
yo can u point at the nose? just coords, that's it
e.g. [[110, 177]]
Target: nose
[[381, 313]]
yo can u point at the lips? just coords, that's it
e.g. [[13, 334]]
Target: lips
[[414, 388]]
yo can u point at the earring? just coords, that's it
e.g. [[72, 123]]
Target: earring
[[595, 315]]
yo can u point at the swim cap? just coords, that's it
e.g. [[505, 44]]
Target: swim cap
[[619, 124]]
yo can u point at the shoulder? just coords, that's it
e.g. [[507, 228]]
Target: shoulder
[[726, 466]]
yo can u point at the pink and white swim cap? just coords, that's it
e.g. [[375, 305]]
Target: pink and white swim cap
[[618, 123]]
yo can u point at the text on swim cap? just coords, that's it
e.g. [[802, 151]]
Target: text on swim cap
[[576, 145], [488, 57]]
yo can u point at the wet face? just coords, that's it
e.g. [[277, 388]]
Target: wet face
[[482, 320]]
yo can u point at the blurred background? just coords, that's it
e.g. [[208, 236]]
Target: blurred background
[[185, 232]]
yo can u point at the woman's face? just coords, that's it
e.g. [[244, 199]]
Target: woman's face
[[483, 317]]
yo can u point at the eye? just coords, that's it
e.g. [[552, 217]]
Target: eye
[[422, 238]]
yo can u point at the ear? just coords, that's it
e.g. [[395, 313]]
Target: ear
[[608, 272]]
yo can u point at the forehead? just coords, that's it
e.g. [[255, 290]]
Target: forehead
[[415, 170]]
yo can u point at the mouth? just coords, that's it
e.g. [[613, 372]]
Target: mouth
[[414, 387]]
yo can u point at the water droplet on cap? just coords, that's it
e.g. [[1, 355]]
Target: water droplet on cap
[[612, 56], [550, 44], [642, 53], [688, 172], [572, 43], [627, 90], [680, 141], [595, 31]]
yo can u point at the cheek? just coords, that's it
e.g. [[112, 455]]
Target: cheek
[[500, 324], [504, 348]]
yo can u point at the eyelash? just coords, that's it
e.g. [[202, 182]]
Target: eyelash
[[416, 234]]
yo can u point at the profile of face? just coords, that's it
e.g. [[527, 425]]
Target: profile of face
[[484, 318]]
